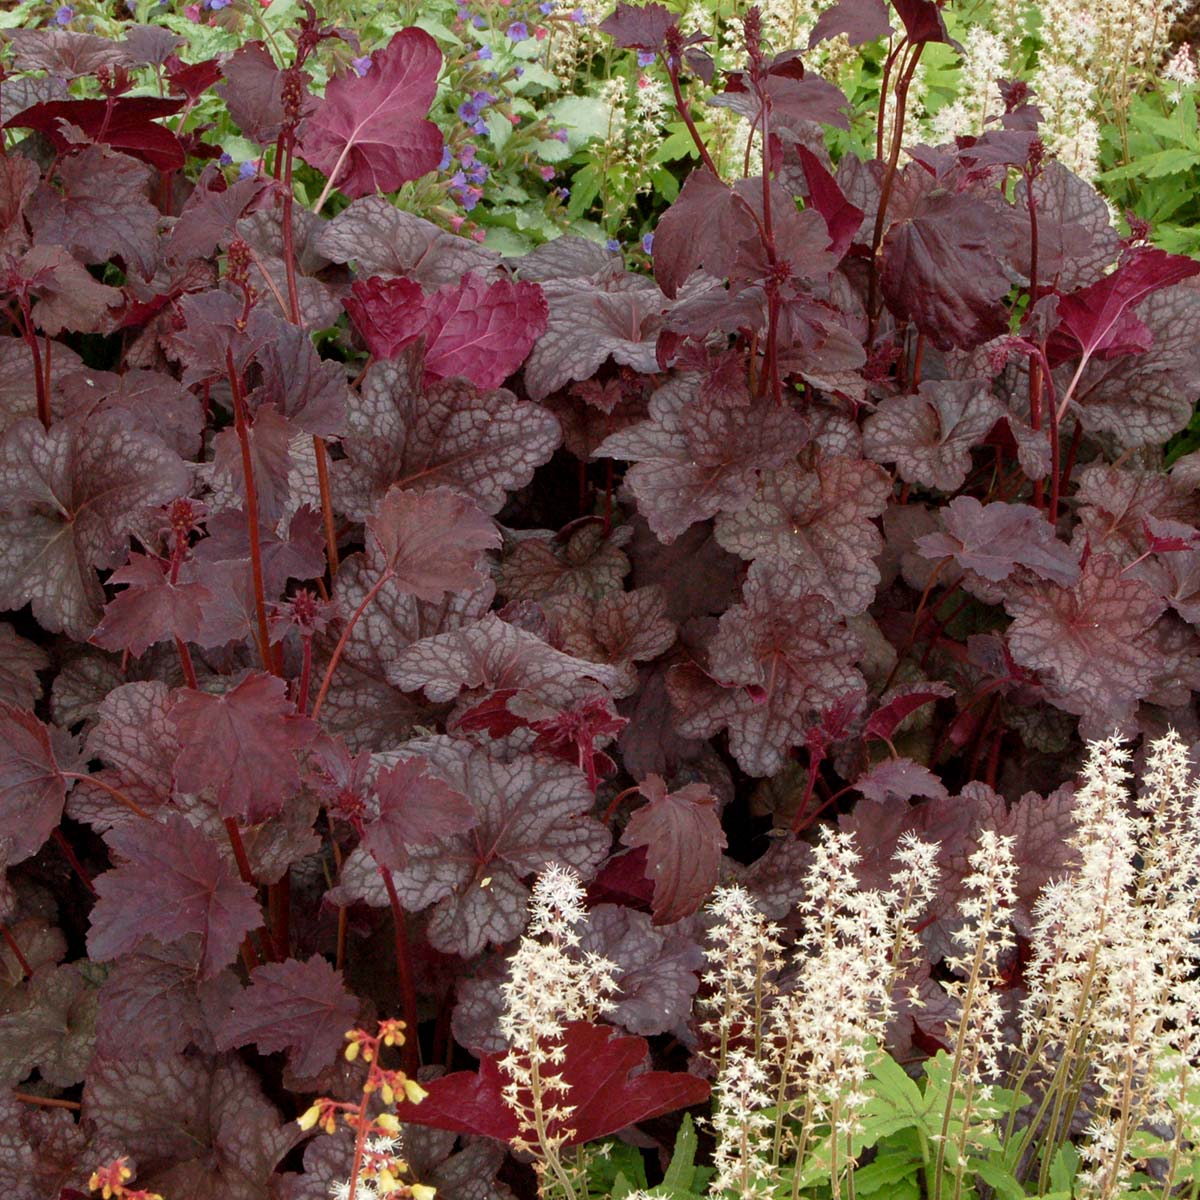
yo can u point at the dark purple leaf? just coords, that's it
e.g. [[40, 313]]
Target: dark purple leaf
[[32, 787], [242, 744], [172, 882], [300, 1007], [639, 26], [860, 20], [414, 809], [150, 609], [683, 838]]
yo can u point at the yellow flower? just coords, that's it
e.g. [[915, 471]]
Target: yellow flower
[[414, 1091], [307, 1119], [422, 1191]]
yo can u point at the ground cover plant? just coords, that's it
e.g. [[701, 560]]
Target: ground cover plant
[[420, 667]]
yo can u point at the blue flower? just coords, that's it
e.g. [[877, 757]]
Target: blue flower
[[478, 173], [546, 7], [447, 158], [559, 135], [225, 160], [479, 128], [361, 65], [467, 154], [463, 12], [482, 99], [518, 31], [645, 58], [218, 4], [458, 180], [579, 16], [65, 14], [485, 53], [564, 193], [247, 170], [518, 71], [467, 111], [648, 243], [478, 21], [612, 244]]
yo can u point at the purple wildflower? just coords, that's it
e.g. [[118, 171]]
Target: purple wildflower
[[559, 135], [361, 65], [612, 244], [65, 14], [484, 53], [447, 158], [648, 243], [564, 193], [579, 16], [645, 58], [518, 31], [248, 170], [467, 154], [478, 21], [225, 160], [546, 7]]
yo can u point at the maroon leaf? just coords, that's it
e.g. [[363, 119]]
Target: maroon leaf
[[150, 609], [777, 661], [253, 92], [929, 436], [430, 542], [860, 20], [69, 498], [369, 133], [683, 838], [309, 391], [572, 736], [172, 881], [695, 457], [300, 1007], [67, 295], [841, 217], [922, 21], [899, 779], [242, 744], [129, 126], [1092, 642], [639, 26], [482, 331], [1096, 317], [531, 811], [994, 539], [899, 704], [32, 788], [941, 270], [65, 53], [389, 313], [597, 1071], [20, 662], [50, 1025], [482, 443], [100, 210], [820, 520], [415, 809], [196, 1125]]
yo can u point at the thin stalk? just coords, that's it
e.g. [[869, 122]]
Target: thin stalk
[[11, 942], [76, 866], [408, 992], [249, 954], [681, 107], [341, 642], [114, 792], [337, 166], [46, 1101], [256, 567]]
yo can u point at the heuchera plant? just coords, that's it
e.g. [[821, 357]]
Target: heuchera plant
[[319, 651]]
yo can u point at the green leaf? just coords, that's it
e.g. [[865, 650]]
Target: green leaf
[[585, 187], [887, 1171], [499, 129], [683, 1161], [438, 31], [999, 1179], [665, 184], [1064, 1168], [585, 118]]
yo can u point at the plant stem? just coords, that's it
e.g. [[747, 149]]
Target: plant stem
[[408, 992], [76, 866], [46, 1101], [249, 955], [115, 793], [256, 567], [11, 942], [341, 643]]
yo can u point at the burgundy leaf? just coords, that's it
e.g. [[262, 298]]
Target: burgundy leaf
[[430, 542], [530, 812], [777, 661], [922, 21], [482, 443], [385, 240], [415, 809], [65, 53], [941, 269], [69, 498], [683, 838], [129, 126], [694, 457], [50, 1025], [820, 520], [1091, 642], [899, 704], [369, 133], [994, 539], [482, 331], [897, 780], [100, 210], [150, 609], [842, 218], [309, 391], [68, 297], [172, 882], [32, 787], [389, 313], [639, 26], [253, 92], [20, 662], [598, 1072], [242, 744], [1095, 317], [572, 735], [929, 436], [860, 20], [300, 1007]]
